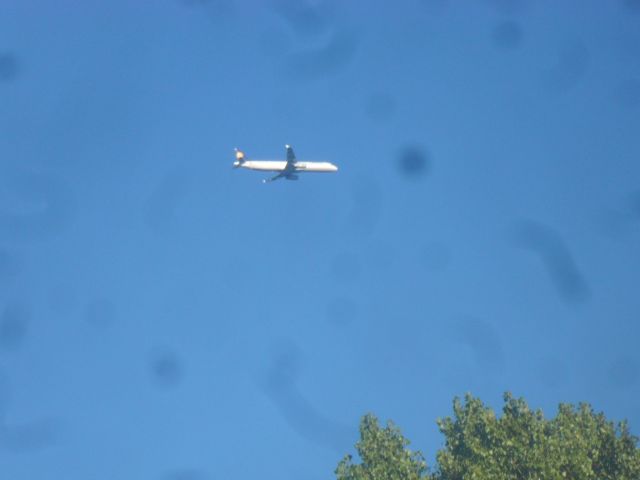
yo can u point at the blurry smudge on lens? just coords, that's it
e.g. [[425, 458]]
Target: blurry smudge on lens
[[13, 326], [483, 340], [623, 372], [341, 311], [308, 422], [9, 67], [507, 35], [28, 437], [556, 257], [319, 62], [304, 17], [367, 206], [346, 266], [435, 256], [380, 107], [296, 410], [285, 366], [628, 93], [414, 161], [100, 312], [41, 206], [166, 368], [162, 206], [572, 64]]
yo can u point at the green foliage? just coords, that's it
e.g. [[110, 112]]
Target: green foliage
[[521, 444], [384, 455]]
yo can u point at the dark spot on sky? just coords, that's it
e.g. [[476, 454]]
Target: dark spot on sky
[[380, 107], [9, 67], [341, 311], [628, 93], [623, 372], [483, 340], [166, 368], [507, 35], [414, 161], [572, 64], [101, 312], [285, 367], [319, 62], [13, 326], [296, 410], [557, 259]]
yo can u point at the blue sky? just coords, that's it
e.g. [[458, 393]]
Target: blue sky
[[163, 316]]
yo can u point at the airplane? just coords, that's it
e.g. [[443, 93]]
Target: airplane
[[287, 169]]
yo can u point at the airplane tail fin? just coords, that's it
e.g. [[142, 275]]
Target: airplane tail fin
[[239, 158]]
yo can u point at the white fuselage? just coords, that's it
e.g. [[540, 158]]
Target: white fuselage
[[279, 166]]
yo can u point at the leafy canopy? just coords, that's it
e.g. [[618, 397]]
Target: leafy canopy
[[521, 444], [384, 455]]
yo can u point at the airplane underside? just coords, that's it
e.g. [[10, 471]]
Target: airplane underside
[[286, 176], [290, 175]]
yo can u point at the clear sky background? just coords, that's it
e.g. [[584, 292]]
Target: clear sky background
[[163, 316]]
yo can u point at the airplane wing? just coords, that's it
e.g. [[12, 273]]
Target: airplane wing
[[275, 177], [284, 174], [289, 168]]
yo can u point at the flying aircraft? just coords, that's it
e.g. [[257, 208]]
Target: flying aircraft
[[287, 169]]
